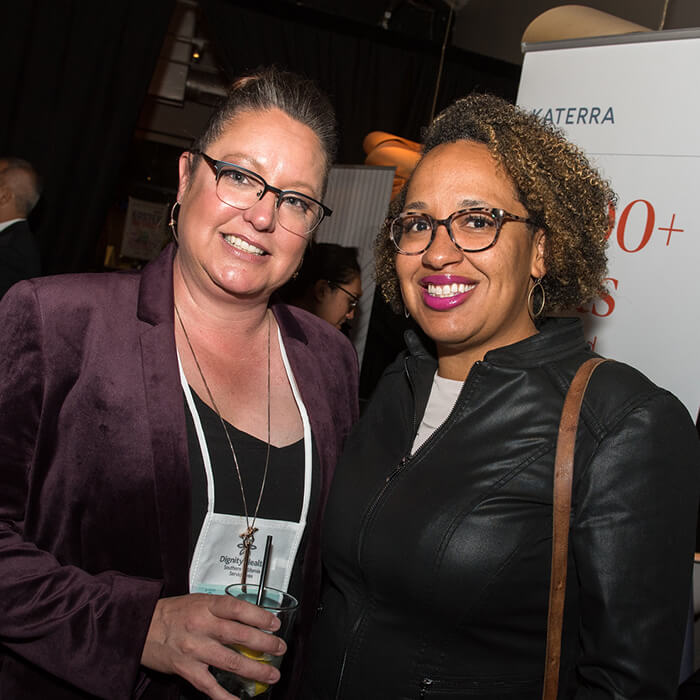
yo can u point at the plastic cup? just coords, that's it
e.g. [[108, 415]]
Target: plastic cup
[[283, 606]]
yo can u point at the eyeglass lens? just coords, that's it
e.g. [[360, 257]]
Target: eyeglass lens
[[471, 230], [242, 189], [354, 299]]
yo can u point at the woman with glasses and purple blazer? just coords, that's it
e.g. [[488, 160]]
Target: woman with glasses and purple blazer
[[155, 427], [438, 531]]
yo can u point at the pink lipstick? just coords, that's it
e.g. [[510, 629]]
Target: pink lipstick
[[443, 292]]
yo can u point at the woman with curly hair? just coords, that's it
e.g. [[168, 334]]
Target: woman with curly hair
[[438, 532]]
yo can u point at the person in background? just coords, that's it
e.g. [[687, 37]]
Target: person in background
[[20, 189], [438, 531], [155, 427], [328, 283]]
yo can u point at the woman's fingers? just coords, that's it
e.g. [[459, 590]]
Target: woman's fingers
[[190, 633], [200, 677], [227, 607], [205, 682]]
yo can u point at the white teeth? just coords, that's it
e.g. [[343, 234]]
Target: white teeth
[[448, 290], [243, 245]]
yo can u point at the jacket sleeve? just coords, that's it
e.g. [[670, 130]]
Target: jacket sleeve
[[87, 629], [633, 541]]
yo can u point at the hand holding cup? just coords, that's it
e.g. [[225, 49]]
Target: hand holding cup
[[284, 607], [191, 633]]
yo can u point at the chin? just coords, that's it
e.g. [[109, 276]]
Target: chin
[[445, 335]]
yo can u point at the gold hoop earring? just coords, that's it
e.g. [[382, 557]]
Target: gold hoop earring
[[534, 315], [173, 223]]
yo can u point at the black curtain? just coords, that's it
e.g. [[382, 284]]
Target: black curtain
[[74, 74], [377, 79]]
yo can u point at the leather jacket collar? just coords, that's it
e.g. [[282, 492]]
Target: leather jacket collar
[[557, 337]]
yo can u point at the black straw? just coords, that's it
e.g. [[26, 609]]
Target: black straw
[[263, 571]]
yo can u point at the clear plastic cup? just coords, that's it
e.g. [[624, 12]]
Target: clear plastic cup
[[283, 606]]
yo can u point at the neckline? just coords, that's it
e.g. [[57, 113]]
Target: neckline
[[557, 337], [241, 434]]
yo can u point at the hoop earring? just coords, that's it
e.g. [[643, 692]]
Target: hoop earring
[[406, 312], [534, 315], [173, 223]]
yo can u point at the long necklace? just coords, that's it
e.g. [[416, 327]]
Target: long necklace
[[248, 535]]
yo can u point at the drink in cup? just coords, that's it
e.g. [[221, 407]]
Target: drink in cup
[[283, 606]]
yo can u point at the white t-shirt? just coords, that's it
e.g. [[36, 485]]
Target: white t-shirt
[[443, 397]]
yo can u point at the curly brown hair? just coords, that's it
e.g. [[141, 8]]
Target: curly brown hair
[[562, 192]]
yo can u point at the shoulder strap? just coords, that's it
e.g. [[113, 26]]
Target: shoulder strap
[[563, 475]]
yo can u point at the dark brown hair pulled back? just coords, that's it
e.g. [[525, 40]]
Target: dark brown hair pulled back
[[270, 88]]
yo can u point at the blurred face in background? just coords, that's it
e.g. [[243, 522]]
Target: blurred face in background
[[336, 303]]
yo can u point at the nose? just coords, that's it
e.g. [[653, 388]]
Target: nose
[[442, 250], [262, 214]]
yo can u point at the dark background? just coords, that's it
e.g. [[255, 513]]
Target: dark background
[[76, 76]]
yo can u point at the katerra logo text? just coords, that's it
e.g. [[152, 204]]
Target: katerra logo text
[[576, 115]]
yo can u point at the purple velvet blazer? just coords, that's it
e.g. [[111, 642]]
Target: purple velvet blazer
[[95, 480]]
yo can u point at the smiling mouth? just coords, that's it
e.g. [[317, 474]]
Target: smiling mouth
[[240, 244], [444, 291]]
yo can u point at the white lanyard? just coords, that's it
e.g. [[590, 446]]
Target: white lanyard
[[217, 559]]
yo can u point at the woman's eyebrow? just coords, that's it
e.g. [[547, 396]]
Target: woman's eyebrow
[[464, 204], [415, 205]]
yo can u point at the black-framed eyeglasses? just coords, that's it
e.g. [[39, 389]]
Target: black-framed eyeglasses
[[242, 188], [354, 299], [471, 230]]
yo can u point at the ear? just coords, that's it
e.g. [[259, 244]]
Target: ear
[[185, 168], [321, 290], [538, 269]]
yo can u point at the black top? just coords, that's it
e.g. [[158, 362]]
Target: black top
[[282, 499], [284, 488]]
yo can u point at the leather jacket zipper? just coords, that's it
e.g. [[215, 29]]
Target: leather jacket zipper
[[415, 418], [366, 519], [361, 539], [370, 511], [427, 682]]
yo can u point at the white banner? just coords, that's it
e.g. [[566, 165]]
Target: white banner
[[635, 109]]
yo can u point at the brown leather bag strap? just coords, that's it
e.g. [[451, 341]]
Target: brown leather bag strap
[[563, 477]]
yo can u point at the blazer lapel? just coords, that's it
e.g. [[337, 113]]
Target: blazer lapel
[[166, 418]]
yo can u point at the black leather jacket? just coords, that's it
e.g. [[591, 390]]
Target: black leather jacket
[[437, 564]]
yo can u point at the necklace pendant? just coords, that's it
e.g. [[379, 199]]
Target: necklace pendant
[[248, 543]]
